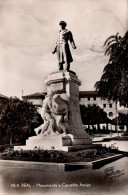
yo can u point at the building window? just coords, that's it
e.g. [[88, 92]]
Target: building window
[[88, 98], [110, 114], [110, 105], [94, 98], [104, 105]]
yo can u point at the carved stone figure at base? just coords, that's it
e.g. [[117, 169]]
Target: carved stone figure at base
[[55, 114], [60, 110]]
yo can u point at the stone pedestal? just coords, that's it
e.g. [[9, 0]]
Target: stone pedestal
[[76, 137], [69, 83]]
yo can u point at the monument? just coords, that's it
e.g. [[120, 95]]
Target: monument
[[62, 128], [62, 47]]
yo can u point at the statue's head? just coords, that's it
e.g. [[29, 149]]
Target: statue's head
[[62, 24]]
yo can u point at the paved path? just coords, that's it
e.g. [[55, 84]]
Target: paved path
[[122, 145], [83, 182], [100, 137]]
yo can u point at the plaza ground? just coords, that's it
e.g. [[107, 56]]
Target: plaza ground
[[85, 181], [75, 182]]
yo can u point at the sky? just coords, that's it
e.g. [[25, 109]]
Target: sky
[[28, 33]]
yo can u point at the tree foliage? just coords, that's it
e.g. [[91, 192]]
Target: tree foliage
[[93, 114], [123, 119], [18, 119], [3, 102], [114, 81]]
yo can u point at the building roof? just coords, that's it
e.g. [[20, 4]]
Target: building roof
[[3, 96], [81, 94], [35, 95], [88, 93]]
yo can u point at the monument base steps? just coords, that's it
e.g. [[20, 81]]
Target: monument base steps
[[55, 142]]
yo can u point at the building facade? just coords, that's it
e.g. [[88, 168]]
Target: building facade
[[3, 99], [85, 97], [92, 98], [36, 98]]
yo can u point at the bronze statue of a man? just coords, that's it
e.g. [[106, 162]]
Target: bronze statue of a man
[[62, 47]]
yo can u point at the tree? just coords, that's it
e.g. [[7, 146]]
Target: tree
[[122, 120], [3, 102], [113, 84], [18, 120], [93, 114]]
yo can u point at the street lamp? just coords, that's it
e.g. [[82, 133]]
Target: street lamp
[[117, 119], [117, 123]]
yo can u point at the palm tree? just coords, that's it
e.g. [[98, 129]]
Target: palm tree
[[114, 81]]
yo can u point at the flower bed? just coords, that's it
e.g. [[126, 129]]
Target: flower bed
[[58, 156]]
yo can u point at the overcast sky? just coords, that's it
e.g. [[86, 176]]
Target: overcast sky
[[28, 32]]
